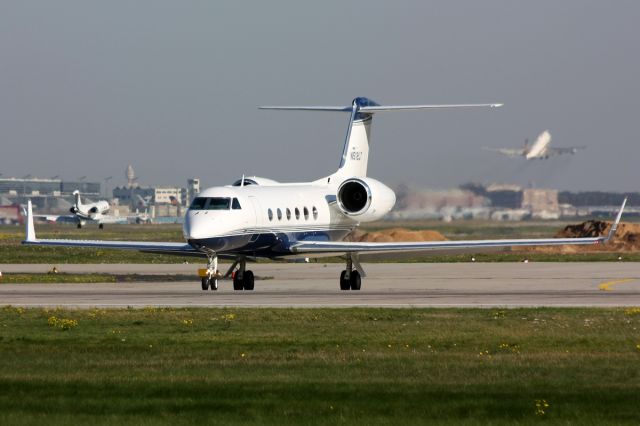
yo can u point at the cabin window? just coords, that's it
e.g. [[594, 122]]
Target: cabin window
[[297, 212], [235, 205], [306, 213], [288, 214], [315, 213], [279, 214], [270, 214]]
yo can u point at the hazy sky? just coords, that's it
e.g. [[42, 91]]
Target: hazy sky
[[172, 87]]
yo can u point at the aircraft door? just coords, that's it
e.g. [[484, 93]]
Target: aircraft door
[[256, 221]]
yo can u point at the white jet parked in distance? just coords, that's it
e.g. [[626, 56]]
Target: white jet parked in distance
[[92, 212]]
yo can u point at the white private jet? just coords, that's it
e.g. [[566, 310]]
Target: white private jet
[[540, 150], [92, 212], [260, 218]]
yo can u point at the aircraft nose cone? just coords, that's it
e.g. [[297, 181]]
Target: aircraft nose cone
[[193, 228]]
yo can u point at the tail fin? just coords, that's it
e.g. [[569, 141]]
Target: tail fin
[[355, 154], [30, 232], [76, 195]]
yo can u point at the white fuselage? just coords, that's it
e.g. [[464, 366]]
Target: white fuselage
[[539, 147], [91, 211], [257, 218]]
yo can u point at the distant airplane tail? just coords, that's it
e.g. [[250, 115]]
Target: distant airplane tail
[[77, 203], [355, 153]]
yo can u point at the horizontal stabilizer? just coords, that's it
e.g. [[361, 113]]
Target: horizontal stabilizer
[[382, 108], [308, 108], [370, 109]]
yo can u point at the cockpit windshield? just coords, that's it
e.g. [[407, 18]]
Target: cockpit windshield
[[202, 203], [198, 203]]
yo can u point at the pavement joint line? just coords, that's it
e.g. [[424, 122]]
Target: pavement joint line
[[607, 286]]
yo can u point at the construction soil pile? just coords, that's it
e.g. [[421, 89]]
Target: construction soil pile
[[394, 235], [627, 238]]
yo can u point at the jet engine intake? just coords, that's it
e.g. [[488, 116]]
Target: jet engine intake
[[366, 198]]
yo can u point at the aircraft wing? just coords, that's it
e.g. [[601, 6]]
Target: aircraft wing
[[566, 150], [145, 246], [110, 220], [323, 248], [509, 152], [57, 217]]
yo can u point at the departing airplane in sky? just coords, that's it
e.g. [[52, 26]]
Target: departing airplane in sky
[[540, 150], [260, 218], [92, 212]]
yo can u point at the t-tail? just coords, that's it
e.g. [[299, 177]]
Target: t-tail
[[355, 153], [77, 203]]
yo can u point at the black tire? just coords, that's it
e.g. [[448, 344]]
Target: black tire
[[101, 226], [344, 284], [79, 226], [205, 283], [237, 282], [249, 280], [356, 280], [214, 285]]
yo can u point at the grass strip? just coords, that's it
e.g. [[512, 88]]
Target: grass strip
[[63, 277], [320, 366]]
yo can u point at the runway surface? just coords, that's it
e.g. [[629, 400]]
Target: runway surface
[[316, 285]]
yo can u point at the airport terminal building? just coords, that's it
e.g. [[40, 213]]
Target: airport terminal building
[[46, 194]]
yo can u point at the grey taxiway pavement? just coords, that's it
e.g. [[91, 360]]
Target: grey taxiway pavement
[[316, 285]]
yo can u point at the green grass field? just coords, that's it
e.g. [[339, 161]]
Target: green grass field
[[320, 366]]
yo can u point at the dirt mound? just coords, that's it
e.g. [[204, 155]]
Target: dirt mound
[[627, 238], [394, 235]]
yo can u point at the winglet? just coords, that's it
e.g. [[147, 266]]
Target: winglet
[[614, 227], [31, 230]]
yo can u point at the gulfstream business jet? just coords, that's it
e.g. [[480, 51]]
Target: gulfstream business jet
[[260, 218]]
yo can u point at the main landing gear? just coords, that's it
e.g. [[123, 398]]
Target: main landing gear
[[351, 279], [242, 279]]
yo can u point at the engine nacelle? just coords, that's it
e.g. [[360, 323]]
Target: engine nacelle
[[99, 207], [365, 199]]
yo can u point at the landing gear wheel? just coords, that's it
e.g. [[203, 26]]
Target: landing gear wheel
[[344, 284], [79, 226], [101, 226], [248, 281], [237, 282], [356, 281], [205, 283], [214, 284]]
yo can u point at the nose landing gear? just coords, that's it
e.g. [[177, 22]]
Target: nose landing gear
[[209, 276], [242, 279]]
